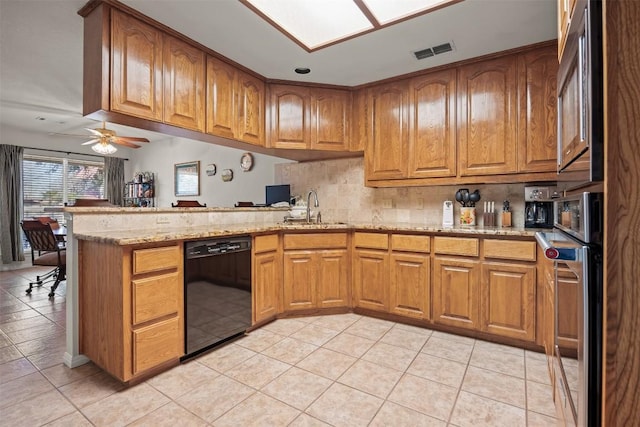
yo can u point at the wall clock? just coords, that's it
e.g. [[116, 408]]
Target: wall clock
[[246, 162]]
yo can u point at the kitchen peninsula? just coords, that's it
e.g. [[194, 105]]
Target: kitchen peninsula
[[476, 281]]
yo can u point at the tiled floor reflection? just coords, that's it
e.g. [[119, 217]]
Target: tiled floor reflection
[[339, 370]]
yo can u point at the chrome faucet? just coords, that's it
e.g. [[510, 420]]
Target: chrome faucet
[[315, 203]]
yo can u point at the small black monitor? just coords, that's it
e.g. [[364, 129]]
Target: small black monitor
[[277, 193]]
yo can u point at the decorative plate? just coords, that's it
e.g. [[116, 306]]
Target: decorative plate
[[246, 162], [227, 175]]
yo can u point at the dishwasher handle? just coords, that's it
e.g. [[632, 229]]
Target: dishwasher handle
[[554, 253]]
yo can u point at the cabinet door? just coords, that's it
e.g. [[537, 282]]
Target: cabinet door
[[370, 278], [330, 119], [221, 108], [332, 278], [410, 285], [359, 120], [567, 303], [299, 282], [184, 70], [386, 151], [508, 300], [156, 344], [537, 129], [456, 287], [267, 285], [250, 108], [290, 113], [432, 133], [487, 108], [136, 81]]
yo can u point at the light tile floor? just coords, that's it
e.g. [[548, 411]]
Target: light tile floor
[[340, 370]]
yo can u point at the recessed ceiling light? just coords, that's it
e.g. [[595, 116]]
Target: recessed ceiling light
[[303, 70]]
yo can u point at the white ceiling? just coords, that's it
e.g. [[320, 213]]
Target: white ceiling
[[41, 49]]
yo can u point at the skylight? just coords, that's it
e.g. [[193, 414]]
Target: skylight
[[314, 24]]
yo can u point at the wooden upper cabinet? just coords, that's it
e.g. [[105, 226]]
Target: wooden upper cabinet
[[432, 133], [386, 150], [537, 129], [309, 118], [250, 108], [487, 117], [359, 120], [235, 103], [330, 114], [184, 83], [290, 113], [565, 12], [136, 75]]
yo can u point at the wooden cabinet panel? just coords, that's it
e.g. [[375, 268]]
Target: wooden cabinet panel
[[509, 249], [508, 300], [432, 130], [290, 111], [266, 291], [370, 279], [465, 246], [330, 117], [156, 344], [537, 124], [184, 83], [136, 75], [386, 151], [332, 278], [156, 259], [456, 287], [299, 290], [487, 117], [371, 240], [315, 241], [221, 98], [409, 285], [410, 243], [567, 301], [156, 296], [360, 120], [250, 109]]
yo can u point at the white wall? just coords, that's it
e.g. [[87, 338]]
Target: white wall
[[161, 156]]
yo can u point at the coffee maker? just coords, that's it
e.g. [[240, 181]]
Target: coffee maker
[[538, 206]]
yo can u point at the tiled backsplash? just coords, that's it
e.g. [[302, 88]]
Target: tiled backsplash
[[343, 196]]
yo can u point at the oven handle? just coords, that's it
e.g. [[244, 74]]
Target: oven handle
[[553, 253]]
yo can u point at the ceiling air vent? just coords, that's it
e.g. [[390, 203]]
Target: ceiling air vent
[[431, 51]]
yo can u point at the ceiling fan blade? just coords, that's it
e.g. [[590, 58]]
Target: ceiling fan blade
[[131, 138], [67, 134], [125, 143], [92, 141], [95, 132]]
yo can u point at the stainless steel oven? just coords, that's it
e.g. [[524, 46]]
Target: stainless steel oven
[[580, 96], [576, 247]]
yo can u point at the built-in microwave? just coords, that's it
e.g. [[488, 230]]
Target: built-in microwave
[[580, 97]]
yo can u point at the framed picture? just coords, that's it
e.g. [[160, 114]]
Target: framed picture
[[187, 178]]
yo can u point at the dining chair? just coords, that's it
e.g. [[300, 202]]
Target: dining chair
[[55, 226], [45, 251], [188, 204]]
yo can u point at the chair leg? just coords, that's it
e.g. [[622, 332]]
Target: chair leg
[[40, 280], [59, 277]]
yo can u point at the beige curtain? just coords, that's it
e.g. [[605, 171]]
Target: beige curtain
[[114, 179], [11, 203]]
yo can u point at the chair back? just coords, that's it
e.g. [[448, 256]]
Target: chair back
[[92, 202], [53, 223], [40, 236], [188, 204]]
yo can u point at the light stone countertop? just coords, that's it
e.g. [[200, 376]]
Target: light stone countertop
[[133, 237]]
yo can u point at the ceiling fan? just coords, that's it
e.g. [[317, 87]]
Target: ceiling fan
[[102, 138]]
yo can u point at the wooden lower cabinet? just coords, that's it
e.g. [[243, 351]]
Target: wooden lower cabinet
[[131, 306], [409, 285], [456, 288], [567, 300], [267, 277], [370, 279], [317, 275], [508, 300]]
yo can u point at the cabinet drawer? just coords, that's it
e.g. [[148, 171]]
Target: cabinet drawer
[[267, 243], [371, 240], [404, 242], [156, 259], [315, 241], [157, 343], [155, 296], [510, 249], [456, 246]]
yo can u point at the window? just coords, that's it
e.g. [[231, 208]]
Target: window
[[52, 181]]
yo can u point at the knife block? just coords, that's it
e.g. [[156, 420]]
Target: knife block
[[506, 219]]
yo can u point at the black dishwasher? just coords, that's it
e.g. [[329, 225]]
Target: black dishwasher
[[217, 292]]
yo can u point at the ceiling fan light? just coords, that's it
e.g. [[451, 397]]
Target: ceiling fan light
[[104, 148]]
